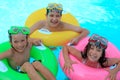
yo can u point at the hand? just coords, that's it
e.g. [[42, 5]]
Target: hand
[[68, 65], [74, 41], [37, 42], [112, 74]]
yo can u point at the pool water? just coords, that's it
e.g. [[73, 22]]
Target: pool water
[[98, 16]]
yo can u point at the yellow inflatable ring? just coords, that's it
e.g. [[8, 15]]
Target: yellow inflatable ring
[[52, 38]]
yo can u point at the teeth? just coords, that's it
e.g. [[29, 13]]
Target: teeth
[[93, 56]]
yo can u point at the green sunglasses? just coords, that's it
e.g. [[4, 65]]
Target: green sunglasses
[[18, 29]]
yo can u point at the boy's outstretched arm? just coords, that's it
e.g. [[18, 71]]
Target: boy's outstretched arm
[[34, 41], [5, 54]]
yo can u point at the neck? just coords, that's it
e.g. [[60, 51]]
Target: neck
[[92, 64]]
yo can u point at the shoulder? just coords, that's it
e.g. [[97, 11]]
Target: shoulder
[[41, 23], [37, 25], [8, 53], [72, 27]]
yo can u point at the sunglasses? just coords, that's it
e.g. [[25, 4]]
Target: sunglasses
[[16, 30], [52, 6], [96, 38]]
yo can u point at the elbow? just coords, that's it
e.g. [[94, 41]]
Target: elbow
[[86, 31], [83, 31], [65, 49]]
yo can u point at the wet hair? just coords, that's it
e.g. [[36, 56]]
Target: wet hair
[[102, 58], [48, 10]]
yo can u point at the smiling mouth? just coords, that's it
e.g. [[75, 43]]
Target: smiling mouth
[[54, 22], [20, 48], [93, 56]]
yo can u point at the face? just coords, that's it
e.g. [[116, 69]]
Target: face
[[19, 42], [53, 18], [94, 53]]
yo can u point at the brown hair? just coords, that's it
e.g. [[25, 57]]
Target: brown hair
[[102, 58]]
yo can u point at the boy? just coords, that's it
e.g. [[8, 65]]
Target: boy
[[18, 55], [53, 23]]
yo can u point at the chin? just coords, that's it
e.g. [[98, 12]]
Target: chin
[[20, 51], [55, 25], [93, 60]]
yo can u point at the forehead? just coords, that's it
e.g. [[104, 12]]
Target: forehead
[[54, 12], [97, 47], [18, 36]]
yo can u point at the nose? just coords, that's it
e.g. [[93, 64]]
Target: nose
[[54, 18], [19, 44], [93, 51]]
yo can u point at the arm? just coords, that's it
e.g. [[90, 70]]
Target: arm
[[33, 41], [5, 54], [82, 31], [68, 62], [113, 72], [111, 61], [71, 50], [37, 26]]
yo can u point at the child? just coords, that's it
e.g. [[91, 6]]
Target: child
[[93, 55], [18, 55], [53, 23]]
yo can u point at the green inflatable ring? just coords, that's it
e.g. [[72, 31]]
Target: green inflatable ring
[[44, 54]]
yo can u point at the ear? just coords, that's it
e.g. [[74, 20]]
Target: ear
[[10, 43]]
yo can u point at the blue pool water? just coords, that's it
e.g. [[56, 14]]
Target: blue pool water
[[98, 16]]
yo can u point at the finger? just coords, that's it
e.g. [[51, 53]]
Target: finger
[[106, 77], [64, 68], [71, 42], [74, 62], [72, 68], [36, 43], [113, 77], [69, 70], [74, 42], [39, 42]]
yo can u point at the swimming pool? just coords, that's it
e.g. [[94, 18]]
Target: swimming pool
[[98, 16]]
